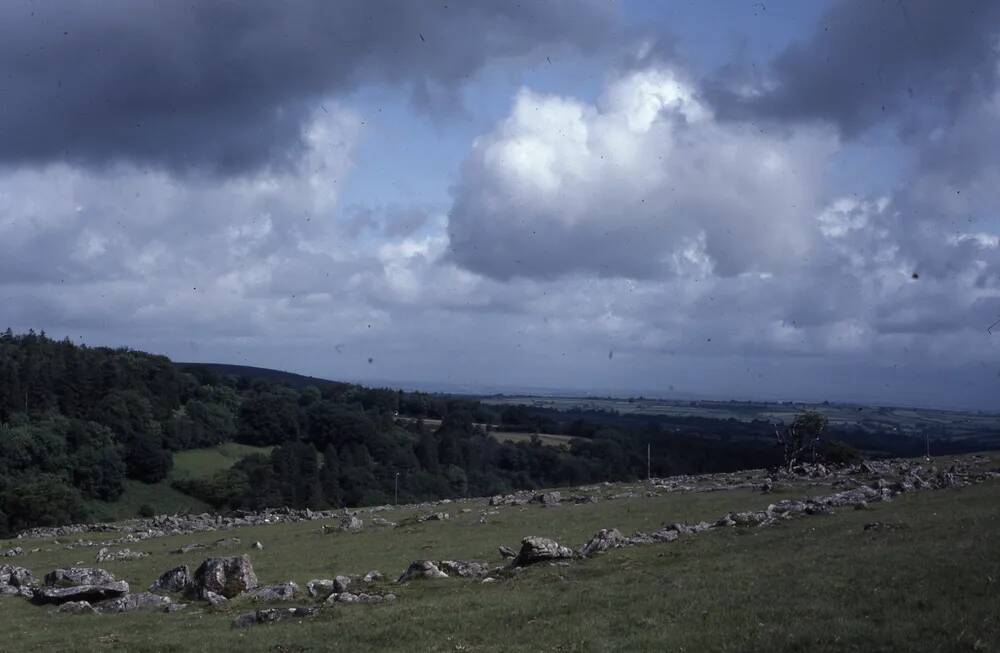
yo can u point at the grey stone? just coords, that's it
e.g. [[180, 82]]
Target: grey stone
[[538, 549], [320, 587], [144, 601], [77, 607], [421, 569], [463, 568], [225, 576], [602, 540], [286, 591], [177, 579]]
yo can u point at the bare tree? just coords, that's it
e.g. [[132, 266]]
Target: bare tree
[[803, 435]]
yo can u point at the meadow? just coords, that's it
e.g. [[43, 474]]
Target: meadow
[[929, 581]]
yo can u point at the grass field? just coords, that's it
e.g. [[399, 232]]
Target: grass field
[[203, 463], [812, 584], [162, 497]]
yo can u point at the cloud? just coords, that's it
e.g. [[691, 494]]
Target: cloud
[[644, 184], [916, 62], [227, 87]]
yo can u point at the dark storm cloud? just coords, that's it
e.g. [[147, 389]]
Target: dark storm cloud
[[867, 59], [226, 86]]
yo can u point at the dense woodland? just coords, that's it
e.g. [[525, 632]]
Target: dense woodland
[[76, 421]]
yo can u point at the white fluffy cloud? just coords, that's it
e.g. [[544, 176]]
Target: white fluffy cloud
[[642, 184]]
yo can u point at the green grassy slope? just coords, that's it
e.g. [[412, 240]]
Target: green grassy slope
[[164, 500], [202, 463], [162, 497], [813, 584]]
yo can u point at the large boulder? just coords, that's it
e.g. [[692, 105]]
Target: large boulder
[[421, 569], [227, 577], [602, 540], [76, 576], [351, 523], [144, 601], [320, 587], [177, 579], [540, 549], [79, 584], [16, 577]]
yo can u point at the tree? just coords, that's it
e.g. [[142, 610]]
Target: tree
[[802, 436]]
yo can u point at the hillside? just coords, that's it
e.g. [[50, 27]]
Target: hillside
[[916, 572]]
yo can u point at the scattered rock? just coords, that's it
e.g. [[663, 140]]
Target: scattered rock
[[384, 523], [548, 498], [13, 553], [16, 577], [538, 549], [177, 579], [373, 576], [434, 516], [341, 583], [271, 615], [421, 569], [286, 591], [104, 555], [257, 545], [602, 540], [320, 587], [507, 552], [134, 602], [213, 598], [463, 568], [77, 607], [225, 576], [351, 523]]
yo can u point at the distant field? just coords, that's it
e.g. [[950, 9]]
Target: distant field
[[954, 424], [203, 463], [549, 439]]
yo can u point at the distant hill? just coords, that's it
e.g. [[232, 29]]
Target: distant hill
[[273, 376]]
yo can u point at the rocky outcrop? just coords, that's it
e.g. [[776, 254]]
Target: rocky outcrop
[[463, 568], [320, 587], [106, 555], [602, 540], [227, 577], [421, 569], [143, 601], [540, 549], [286, 591], [177, 580], [77, 607], [79, 584], [16, 581]]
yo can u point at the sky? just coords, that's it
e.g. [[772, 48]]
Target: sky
[[753, 200]]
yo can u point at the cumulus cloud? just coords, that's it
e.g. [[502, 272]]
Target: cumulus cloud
[[227, 86], [646, 183]]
